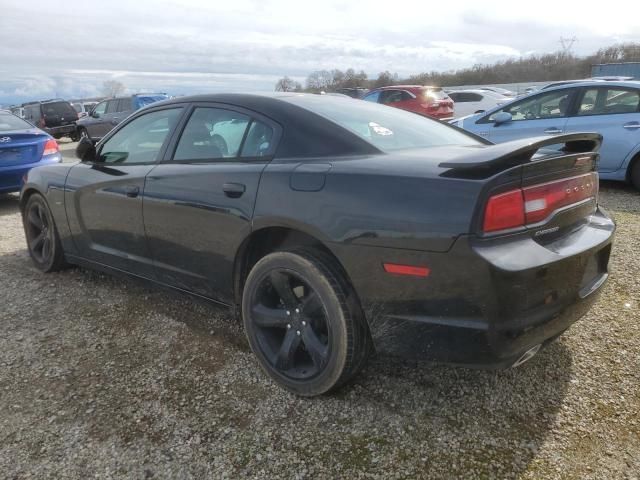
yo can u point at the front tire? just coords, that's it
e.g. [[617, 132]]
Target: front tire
[[43, 242], [302, 323]]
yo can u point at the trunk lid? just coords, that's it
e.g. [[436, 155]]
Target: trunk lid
[[22, 147], [546, 192]]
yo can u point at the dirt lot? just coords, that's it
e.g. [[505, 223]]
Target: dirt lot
[[108, 378]]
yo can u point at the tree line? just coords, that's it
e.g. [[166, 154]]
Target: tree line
[[534, 68]]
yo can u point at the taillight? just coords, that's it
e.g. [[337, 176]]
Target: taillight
[[525, 206], [504, 211], [51, 147]]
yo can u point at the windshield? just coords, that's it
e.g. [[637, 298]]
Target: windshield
[[387, 128], [10, 122]]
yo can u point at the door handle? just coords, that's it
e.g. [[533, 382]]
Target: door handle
[[631, 125], [553, 131], [132, 191], [233, 190]]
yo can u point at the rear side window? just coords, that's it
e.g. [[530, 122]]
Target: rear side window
[[393, 96], [258, 141], [608, 101], [124, 105], [112, 106], [11, 122], [212, 134]]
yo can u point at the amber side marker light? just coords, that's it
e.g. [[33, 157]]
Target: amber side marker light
[[408, 270]]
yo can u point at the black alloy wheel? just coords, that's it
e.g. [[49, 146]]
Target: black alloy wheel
[[305, 333], [42, 237]]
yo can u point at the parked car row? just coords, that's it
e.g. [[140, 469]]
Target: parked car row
[[610, 108]]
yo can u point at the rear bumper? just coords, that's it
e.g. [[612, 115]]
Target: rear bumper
[[11, 177], [63, 130], [484, 303]]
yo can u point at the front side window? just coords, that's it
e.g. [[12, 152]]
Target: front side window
[[212, 133], [608, 101], [548, 105], [140, 140], [100, 108]]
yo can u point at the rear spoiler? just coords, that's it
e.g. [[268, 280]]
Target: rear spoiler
[[510, 154]]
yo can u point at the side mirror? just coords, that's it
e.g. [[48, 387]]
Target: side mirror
[[86, 150], [502, 117], [95, 114]]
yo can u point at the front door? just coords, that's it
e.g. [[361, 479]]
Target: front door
[[613, 112], [104, 198], [545, 114], [198, 204]]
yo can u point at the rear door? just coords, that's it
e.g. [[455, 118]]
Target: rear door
[[58, 114], [543, 114], [614, 112], [198, 203], [104, 198]]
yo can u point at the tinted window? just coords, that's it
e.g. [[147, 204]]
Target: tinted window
[[548, 105], [112, 106], [100, 108], [124, 104], [393, 96], [211, 133], [462, 97], [11, 122], [607, 101], [32, 112], [58, 109], [140, 140], [141, 101], [385, 127], [372, 97], [258, 141]]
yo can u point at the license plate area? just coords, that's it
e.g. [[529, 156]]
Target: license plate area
[[595, 272]]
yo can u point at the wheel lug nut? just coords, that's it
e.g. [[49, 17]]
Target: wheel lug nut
[[297, 310], [304, 323], [288, 325], [298, 332], [288, 312]]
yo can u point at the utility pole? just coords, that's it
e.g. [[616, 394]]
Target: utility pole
[[567, 44]]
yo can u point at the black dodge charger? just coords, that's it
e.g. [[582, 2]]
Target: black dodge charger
[[336, 228]]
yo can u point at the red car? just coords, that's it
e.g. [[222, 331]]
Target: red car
[[430, 101]]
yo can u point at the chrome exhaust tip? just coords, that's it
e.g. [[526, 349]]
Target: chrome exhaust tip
[[526, 356]]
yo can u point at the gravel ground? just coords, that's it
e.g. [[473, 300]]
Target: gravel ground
[[110, 378]]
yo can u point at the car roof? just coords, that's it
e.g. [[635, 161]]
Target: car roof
[[594, 83], [389, 87]]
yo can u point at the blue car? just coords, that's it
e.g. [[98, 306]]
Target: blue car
[[609, 108], [22, 147]]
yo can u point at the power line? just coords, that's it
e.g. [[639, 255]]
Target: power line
[[567, 44]]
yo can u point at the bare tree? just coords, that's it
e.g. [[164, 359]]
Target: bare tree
[[113, 88], [286, 84]]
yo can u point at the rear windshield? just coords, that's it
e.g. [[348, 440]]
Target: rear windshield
[[58, 108], [387, 128], [11, 122], [435, 93], [148, 99]]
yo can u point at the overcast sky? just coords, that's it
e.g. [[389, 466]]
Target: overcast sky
[[68, 48]]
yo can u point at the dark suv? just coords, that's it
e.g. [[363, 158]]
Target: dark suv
[[56, 117], [108, 113]]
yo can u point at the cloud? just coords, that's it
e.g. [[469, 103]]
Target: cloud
[[194, 46]]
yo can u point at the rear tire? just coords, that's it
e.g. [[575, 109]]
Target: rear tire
[[302, 322], [43, 241], [635, 175]]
